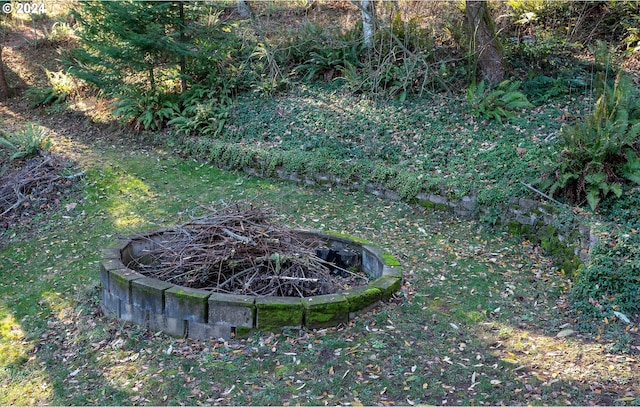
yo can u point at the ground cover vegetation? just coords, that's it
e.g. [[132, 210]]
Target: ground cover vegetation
[[111, 124]]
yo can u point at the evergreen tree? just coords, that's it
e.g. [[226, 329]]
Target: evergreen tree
[[129, 43]]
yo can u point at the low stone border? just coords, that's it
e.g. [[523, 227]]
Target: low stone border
[[195, 313], [538, 220]]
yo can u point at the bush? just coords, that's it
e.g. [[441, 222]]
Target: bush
[[62, 87], [204, 112], [597, 154]]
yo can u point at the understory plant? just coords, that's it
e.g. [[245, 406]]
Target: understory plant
[[608, 287], [27, 143], [148, 110], [595, 156], [497, 103]]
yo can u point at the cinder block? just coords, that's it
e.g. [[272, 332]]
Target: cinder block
[[278, 312], [110, 304], [393, 271], [231, 310], [120, 283], [186, 303], [148, 294], [388, 285], [172, 326], [201, 331], [371, 261], [325, 310], [360, 298], [140, 316], [125, 310]]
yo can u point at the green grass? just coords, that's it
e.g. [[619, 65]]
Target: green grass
[[465, 285]]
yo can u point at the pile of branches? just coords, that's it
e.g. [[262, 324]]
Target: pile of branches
[[238, 250], [32, 187]]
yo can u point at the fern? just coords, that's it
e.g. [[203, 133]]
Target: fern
[[600, 151], [28, 142], [496, 104]]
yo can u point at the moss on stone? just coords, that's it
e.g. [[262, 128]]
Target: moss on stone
[[243, 331], [388, 285], [361, 297], [389, 259], [278, 312], [561, 253], [432, 206], [347, 236], [325, 310]]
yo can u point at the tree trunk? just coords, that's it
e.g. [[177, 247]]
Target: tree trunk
[[183, 58], [244, 9], [368, 21], [5, 89], [483, 43]]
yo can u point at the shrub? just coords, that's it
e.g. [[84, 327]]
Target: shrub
[[597, 154], [204, 112], [62, 87]]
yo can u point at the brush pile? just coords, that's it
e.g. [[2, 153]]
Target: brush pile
[[238, 250], [33, 187]]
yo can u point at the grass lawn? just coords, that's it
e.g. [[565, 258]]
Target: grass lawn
[[481, 318]]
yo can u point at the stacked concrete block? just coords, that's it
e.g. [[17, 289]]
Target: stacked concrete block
[[202, 314]]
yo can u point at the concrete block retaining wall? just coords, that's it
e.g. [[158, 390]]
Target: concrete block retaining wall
[[523, 211], [195, 313], [533, 214]]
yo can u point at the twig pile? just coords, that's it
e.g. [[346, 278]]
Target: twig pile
[[34, 186], [238, 250]]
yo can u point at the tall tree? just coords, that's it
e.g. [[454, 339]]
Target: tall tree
[[5, 90], [483, 42]]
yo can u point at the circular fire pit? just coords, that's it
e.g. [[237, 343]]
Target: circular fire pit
[[158, 305]]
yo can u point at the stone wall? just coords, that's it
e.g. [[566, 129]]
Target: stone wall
[[195, 313]]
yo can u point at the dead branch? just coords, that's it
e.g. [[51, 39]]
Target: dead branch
[[237, 249]]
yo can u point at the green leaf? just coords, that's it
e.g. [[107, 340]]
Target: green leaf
[[616, 188], [593, 197]]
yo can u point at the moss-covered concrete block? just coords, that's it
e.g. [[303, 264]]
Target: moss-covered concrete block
[[231, 310], [325, 310], [393, 271], [360, 298], [120, 283], [388, 285], [148, 294], [187, 303], [278, 312]]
